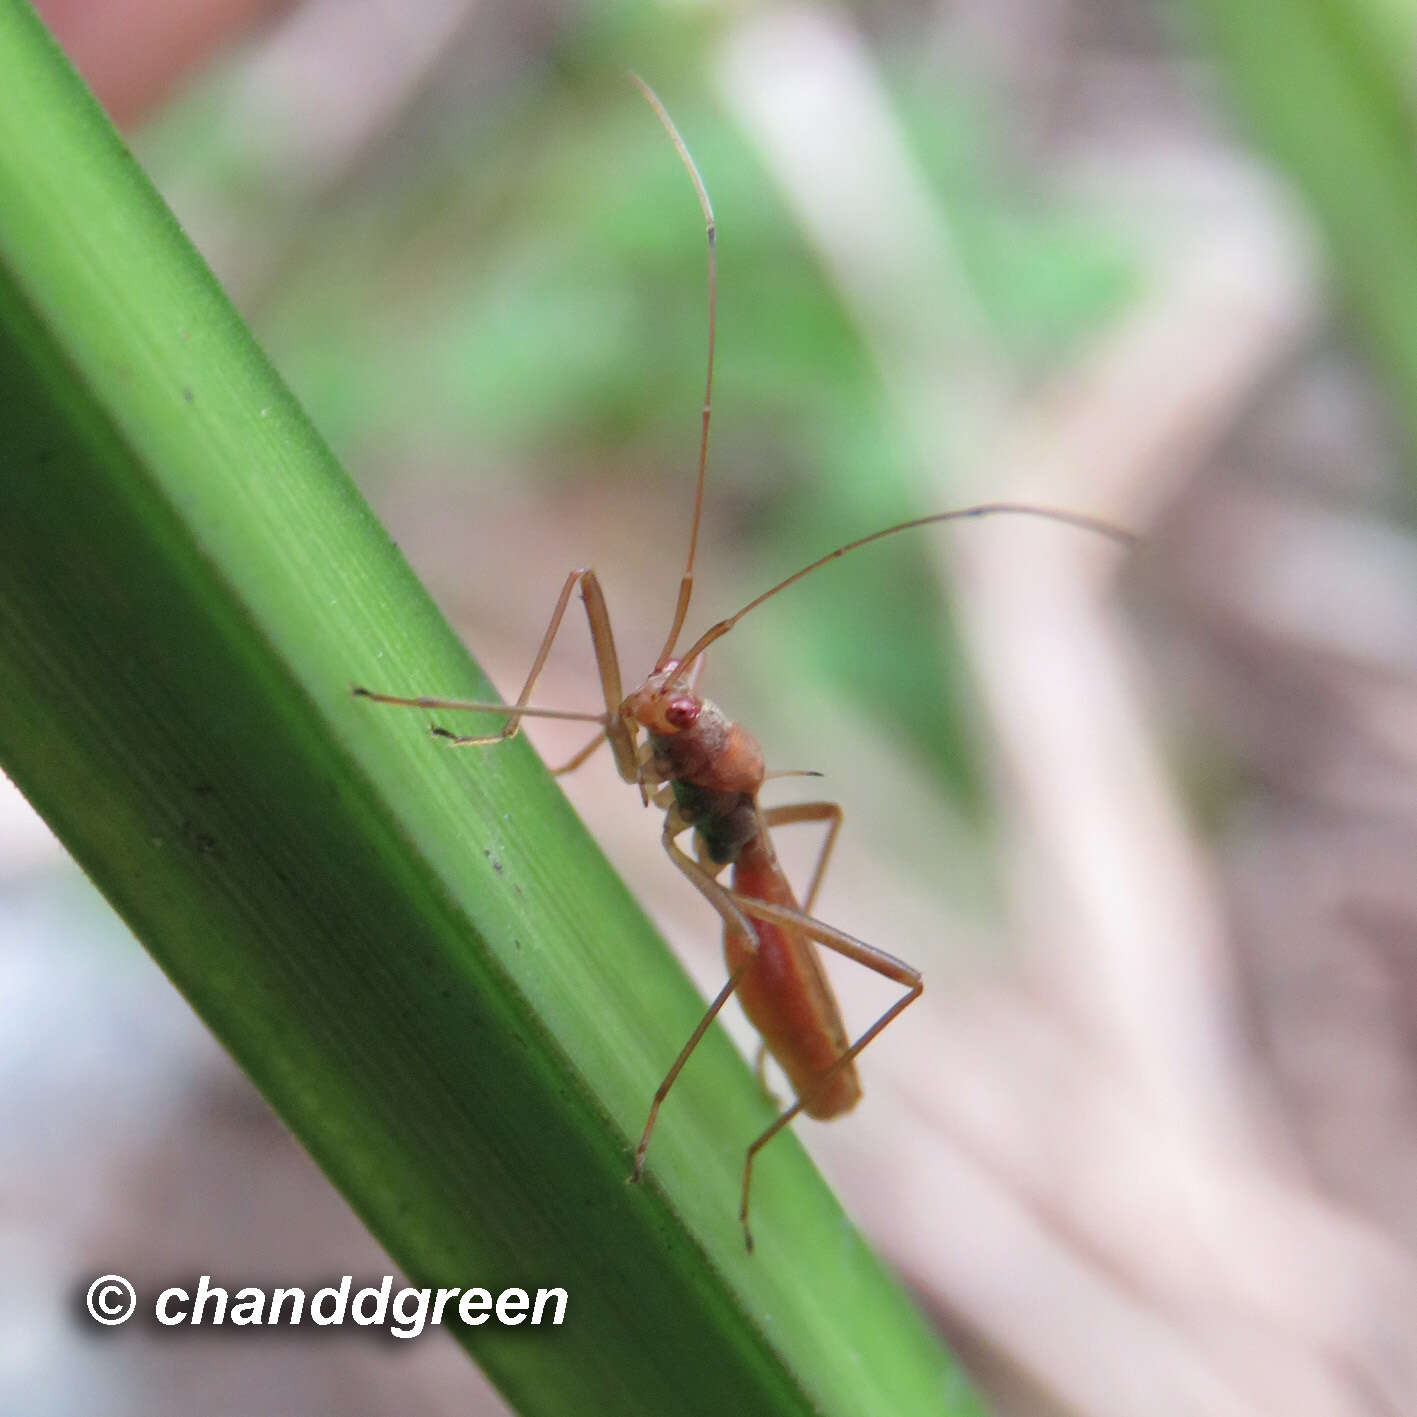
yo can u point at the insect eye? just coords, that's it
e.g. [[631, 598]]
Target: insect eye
[[681, 713]]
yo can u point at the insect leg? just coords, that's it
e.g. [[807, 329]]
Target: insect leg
[[720, 999], [858, 950], [606, 660], [581, 756], [722, 901], [613, 728], [617, 732], [790, 815]]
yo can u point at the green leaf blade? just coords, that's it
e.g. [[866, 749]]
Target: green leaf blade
[[417, 955]]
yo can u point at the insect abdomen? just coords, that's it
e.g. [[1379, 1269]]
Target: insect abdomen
[[786, 995]]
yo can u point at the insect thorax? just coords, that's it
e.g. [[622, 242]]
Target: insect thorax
[[724, 821]]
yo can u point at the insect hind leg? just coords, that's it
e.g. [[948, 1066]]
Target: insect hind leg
[[794, 813], [722, 901], [874, 959]]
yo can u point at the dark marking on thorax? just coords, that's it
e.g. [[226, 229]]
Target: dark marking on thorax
[[725, 821]]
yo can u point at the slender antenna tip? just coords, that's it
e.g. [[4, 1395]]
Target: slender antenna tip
[[681, 608]]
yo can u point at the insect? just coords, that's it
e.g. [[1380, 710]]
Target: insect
[[705, 772]]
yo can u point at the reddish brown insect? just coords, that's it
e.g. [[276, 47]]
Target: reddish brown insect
[[705, 772]]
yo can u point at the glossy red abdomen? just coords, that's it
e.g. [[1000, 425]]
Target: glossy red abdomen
[[785, 992]]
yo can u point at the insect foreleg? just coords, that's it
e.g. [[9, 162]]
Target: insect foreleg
[[607, 663], [613, 728], [580, 756]]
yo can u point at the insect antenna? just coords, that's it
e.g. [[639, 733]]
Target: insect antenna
[[985, 509], [686, 582]]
